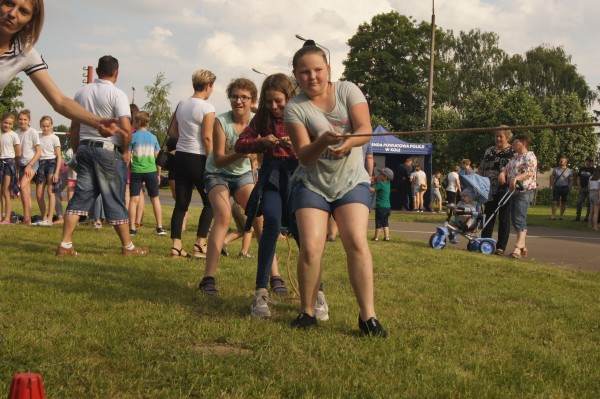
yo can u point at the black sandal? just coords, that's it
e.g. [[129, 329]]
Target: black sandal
[[199, 252], [208, 286], [180, 253], [278, 286]]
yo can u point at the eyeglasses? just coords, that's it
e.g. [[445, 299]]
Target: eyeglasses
[[243, 99]]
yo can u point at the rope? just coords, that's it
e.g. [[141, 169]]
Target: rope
[[291, 279], [479, 129]]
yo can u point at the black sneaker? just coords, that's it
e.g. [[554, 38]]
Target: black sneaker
[[304, 321], [208, 286], [132, 232], [371, 328], [160, 231]]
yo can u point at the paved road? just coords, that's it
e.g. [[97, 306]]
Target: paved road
[[567, 248]]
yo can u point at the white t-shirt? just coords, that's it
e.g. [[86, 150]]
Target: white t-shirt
[[190, 114], [8, 141], [452, 182], [16, 60], [48, 144], [418, 177], [30, 138], [104, 99], [594, 185]]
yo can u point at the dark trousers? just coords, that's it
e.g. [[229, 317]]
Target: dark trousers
[[272, 208], [583, 199], [189, 174], [503, 220]]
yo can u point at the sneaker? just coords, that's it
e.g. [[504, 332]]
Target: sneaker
[[136, 251], [98, 225], [321, 307], [160, 231], [60, 251], [260, 304], [244, 255], [208, 286], [278, 286], [371, 328], [132, 232], [224, 251], [45, 223], [304, 321]]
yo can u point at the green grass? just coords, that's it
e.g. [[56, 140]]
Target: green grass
[[461, 325]]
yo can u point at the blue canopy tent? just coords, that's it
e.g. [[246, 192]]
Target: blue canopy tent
[[395, 151]]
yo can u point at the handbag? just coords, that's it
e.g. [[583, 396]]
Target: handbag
[[164, 157]]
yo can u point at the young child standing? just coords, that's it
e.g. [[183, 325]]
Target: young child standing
[[144, 149], [28, 163], [49, 170], [10, 148], [382, 203], [594, 193], [436, 194]]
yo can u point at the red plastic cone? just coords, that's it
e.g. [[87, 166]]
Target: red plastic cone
[[27, 386]]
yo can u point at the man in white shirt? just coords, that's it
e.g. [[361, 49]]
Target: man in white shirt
[[101, 161]]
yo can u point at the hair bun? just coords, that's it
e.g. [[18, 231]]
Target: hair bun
[[309, 42]]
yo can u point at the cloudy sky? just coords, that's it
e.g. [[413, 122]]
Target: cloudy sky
[[229, 37]]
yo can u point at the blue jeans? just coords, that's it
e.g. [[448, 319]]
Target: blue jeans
[[519, 204], [100, 172], [271, 205]]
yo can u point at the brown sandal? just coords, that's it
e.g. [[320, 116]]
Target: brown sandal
[[180, 253]]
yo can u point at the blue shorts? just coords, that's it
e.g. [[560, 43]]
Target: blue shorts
[[302, 197], [7, 168], [46, 168], [138, 179], [34, 168], [233, 183]]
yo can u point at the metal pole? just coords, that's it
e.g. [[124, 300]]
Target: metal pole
[[90, 74], [431, 67], [132, 95]]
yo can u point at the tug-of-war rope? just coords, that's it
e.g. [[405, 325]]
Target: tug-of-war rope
[[482, 129]]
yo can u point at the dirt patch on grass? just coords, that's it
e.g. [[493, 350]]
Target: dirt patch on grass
[[221, 349]]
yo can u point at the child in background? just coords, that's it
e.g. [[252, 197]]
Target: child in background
[[594, 193], [49, 170], [28, 163], [465, 213], [436, 194], [144, 149], [10, 148], [382, 203], [466, 167]]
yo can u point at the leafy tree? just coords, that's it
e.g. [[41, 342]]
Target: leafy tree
[[158, 105], [545, 71], [477, 57], [389, 60], [61, 128], [444, 118], [577, 144], [9, 99]]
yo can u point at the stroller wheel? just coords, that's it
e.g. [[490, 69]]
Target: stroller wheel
[[473, 246], [487, 247], [437, 241]]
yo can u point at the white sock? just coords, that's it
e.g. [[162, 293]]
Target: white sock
[[66, 245], [130, 246]]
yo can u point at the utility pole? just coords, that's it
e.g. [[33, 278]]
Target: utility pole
[[431, 66], [132, 95]]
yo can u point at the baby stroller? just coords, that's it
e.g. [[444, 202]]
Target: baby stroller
[[473, 218]]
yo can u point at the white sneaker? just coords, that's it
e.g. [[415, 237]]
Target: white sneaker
[[260, 304], [45, 223], [321, 307]]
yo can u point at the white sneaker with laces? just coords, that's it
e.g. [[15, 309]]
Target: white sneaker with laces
[[260, 304], [321, 307]]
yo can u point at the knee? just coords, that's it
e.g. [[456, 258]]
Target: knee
[[310, 253]]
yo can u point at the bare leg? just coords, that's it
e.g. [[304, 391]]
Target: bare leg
[[39, 193], [133, 208], [554, 204], [51, 200], [156, 207], [69, 227], [6, 206], [219, 200], [140, 209], [353, 222], [312, 228], [386, 233], [26, 198]]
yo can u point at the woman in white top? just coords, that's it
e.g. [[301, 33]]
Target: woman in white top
[[48, 171], [453, 186], [10, 148], [331, 179], [28, 163], [418, 179], [193, 125], [21, 24]]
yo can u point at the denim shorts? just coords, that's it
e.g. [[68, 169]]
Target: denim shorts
[[34, 168], [382, 217], [594, 196], [302, 197], [46, 168], [7, 168], [138, 179], [100, 172], [233, 183], [519, 204]]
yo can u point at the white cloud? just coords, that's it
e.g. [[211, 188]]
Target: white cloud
[[158, 44]]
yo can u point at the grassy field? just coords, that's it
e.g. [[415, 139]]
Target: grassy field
[[460, 324]]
